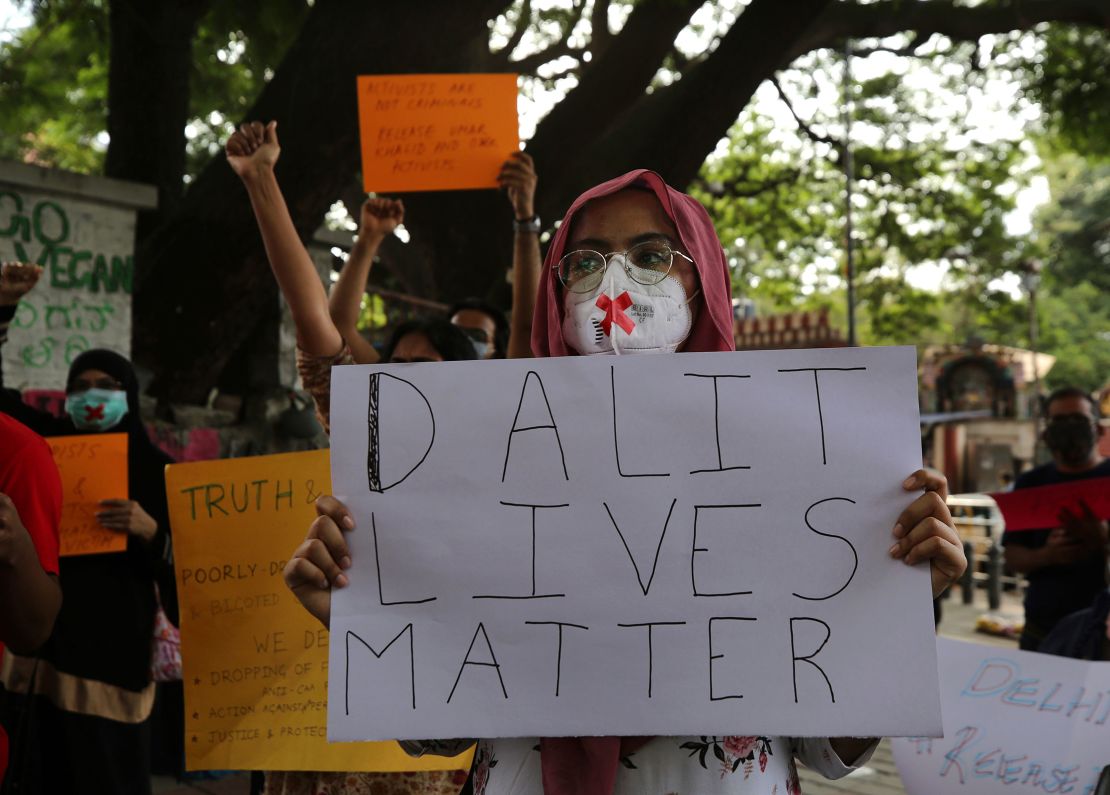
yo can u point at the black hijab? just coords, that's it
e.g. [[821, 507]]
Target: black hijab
[[146, 463], [105, 628]]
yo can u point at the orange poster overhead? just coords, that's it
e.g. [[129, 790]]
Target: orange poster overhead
[[255, 662], [436, 132], [93, 468]]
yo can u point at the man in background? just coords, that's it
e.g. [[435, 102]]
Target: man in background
[[1065, 565]]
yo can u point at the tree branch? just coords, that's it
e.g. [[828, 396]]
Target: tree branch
[[908, 51], [683, 63], [522, 23], [950, 18], [774, 34], [700, 108], [733, 188], [616, 80], [570, 70], [530, 63], [600, 35], [177, 333], [43, 29], [810, 133]]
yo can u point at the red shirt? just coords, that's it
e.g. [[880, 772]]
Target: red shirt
[[29, 476]]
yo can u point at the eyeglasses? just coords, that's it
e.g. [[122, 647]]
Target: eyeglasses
[[645, 263], [81, 385]]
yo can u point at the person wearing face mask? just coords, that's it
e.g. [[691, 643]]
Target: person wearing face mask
[[485, 325], [1066, 565], [636, 267], [432, 340], [92, 678]]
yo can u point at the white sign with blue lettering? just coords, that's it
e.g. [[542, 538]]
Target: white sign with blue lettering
[[1014, 721]]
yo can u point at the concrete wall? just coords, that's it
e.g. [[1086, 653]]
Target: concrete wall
[[81, 229]]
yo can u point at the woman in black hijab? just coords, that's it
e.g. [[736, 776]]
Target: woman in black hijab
[[91, 719]]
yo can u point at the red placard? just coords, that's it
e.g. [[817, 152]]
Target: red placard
[[1039, 508]]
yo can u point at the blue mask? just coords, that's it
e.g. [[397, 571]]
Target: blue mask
[[97, 409], [480, 348]]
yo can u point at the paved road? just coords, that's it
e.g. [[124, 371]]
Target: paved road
[[878, 777]]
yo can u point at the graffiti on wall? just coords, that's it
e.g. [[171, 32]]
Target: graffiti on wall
[[83, 300]]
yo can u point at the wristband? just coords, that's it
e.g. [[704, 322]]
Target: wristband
[[527, 224]]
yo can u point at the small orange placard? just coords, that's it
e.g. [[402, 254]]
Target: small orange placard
[[93, 468], [436, 132]]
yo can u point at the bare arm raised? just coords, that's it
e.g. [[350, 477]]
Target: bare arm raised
[[252, 152], [518, 180], [377, 220]]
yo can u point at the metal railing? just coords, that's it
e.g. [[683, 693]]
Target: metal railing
[[980, 525]]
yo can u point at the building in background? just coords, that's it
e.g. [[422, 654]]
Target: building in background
[[979, 421], [778, 332], [979, 412]]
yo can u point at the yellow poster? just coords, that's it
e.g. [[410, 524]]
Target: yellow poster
[[255, 662]]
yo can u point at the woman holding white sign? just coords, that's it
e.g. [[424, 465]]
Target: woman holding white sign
[[663, 286]]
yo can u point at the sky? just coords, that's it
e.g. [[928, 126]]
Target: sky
[[12, 20]]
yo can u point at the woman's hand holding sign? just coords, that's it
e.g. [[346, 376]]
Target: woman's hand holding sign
[[925, 531], [318, 564], [127, 516]]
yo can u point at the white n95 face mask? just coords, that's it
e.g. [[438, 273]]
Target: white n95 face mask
[[624, 316]]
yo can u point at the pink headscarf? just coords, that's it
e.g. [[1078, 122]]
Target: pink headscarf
[[712, 330], [588, 765]]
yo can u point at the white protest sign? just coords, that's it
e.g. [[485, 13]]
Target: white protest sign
[[638, 545], [1014, 721]]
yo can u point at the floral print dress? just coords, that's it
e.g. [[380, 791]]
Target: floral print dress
[[664, 766]]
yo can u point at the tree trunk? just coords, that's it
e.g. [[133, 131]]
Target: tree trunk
[[467, 236], [150, 58], [203, 280], [610, 83], [673, 129]]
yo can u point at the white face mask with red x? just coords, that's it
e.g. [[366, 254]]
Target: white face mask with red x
[[624, 316]]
